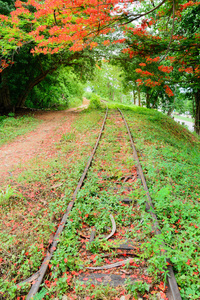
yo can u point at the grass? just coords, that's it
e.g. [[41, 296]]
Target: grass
[[170, 158], [95, 202], [184, 118], [31, 208], [11, 127], [171, 163], [75, 102]]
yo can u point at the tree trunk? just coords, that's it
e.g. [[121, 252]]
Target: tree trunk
[[155, 102], [22, 98], [5, 103], [170, 110], [139, 99], [193, 106], [134, 97], [109, 90], [197, 112], [147, 100]]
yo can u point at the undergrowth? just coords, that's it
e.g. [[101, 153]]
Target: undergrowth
[[11, 127]]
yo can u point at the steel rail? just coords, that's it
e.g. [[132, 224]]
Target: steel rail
[[174, 293], [35, 287]]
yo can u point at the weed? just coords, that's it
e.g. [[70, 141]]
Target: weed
[[101, 292], [69, 137], [137, 287], [8, 195]]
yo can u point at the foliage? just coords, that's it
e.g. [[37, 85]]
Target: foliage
[[107, 81], [25, 79], [95, 102], [159, 57], [61, 25], [184, 101], [7, 195], [160, 50], [56, 90], [6, 6], [25, 69], [138, 286], [75, 101]]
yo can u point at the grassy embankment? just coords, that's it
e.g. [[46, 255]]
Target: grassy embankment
[[171, 160]]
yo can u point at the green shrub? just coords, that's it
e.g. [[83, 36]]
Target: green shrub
[[75, 102], [87, 95], [95, 102]]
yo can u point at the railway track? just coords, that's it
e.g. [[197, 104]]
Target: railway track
[[118, 187]]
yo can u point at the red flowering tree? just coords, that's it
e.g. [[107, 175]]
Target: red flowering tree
[[163, 53]]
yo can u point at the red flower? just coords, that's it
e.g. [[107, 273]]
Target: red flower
[[188, 262]]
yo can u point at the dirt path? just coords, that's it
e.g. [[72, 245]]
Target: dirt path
[[14, 155]]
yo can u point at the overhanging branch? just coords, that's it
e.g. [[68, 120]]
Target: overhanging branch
[[136, 17], [172, 31]]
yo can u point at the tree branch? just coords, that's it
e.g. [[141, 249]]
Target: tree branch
[[54, 13], [136, 17], [172, 31]]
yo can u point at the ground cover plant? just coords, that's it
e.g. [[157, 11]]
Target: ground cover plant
[[11, 127], [32, 204], [112, 177], [170, 158], [36, 201]]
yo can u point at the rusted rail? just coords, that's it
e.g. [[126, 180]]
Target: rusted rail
[[35, 287], [174, 293]]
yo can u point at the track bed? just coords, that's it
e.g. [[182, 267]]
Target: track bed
[[101, 249], [103, 242]]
